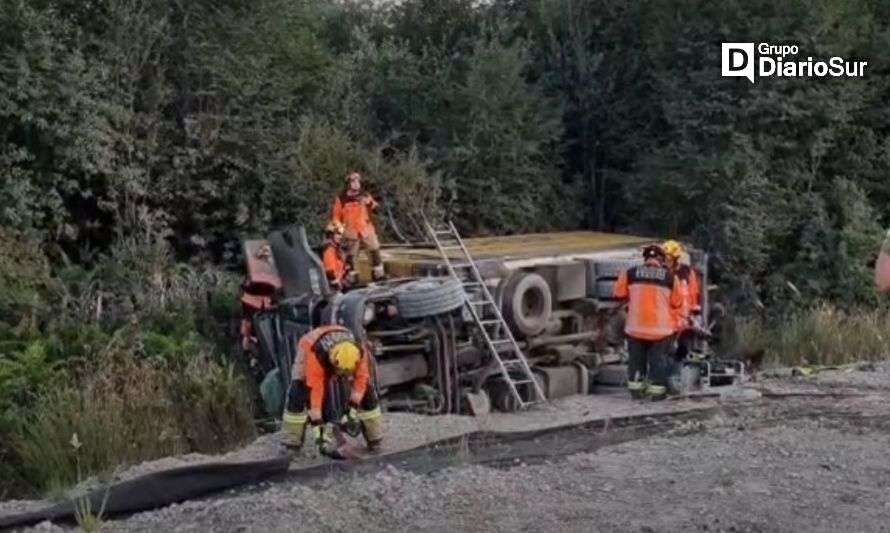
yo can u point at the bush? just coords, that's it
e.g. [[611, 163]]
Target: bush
[[821, 335], [124, 409]]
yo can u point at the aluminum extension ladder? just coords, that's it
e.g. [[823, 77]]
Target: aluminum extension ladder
[[499, 341]]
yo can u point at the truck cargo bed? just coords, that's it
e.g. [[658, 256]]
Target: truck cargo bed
[[417, 261]]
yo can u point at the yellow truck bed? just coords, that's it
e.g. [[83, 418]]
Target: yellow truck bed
[[413, 261]]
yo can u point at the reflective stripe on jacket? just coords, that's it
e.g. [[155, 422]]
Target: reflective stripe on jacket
[[654, 299], [312, 365], [354, 212]]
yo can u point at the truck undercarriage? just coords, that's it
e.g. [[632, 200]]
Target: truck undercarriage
[[554, 292]]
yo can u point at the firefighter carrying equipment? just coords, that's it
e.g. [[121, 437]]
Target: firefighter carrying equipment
[[314, 366]]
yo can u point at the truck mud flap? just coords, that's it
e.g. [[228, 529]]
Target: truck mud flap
[[156, 490]]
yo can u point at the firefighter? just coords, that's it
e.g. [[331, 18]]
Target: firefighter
[[352, 208], [325, 357], [333, 259], [653, 298], [680, 264]]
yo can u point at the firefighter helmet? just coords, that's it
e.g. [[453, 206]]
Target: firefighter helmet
[[654, 251], [673, 249], [334, 227], [345, 356]]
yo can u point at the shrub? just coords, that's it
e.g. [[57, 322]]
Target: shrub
[[821, 335], [125, 409]]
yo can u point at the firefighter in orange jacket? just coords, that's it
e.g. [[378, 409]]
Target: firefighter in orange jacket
[[326, 356], [679, 263], [653, 297], [333, 259], [352, 208]]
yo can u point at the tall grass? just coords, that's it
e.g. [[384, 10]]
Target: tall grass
[[822, 335], [124, 410]]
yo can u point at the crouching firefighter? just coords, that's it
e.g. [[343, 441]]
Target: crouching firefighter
[[326, 356], [334, 260], [653, 296]]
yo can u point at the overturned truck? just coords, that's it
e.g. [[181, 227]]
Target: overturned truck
[[554, 293]]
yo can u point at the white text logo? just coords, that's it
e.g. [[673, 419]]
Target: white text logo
[[738, 59]]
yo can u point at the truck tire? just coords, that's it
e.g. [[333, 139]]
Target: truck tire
[[429, 297], [613, 269], [528, 303], [605, 289]]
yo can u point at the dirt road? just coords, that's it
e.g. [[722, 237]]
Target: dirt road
[[809, 464]]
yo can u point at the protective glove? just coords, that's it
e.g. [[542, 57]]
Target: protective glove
[[351, 424], [322, 439]]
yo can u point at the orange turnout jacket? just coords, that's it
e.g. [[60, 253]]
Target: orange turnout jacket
[[313, 365], [653, 299], [689, 290], [334, 263], [354, 212]]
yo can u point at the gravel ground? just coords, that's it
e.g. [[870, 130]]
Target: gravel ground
[[731, 474], [746, 472]]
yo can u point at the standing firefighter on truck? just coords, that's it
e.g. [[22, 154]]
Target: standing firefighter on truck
[[653, 299], [352, 208], [326, 356]]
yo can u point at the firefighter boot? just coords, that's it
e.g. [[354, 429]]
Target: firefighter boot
[[637, 389], [657, 393], [377, 272], [372, 427], [294, 427]]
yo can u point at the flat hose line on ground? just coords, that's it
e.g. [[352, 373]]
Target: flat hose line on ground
[[160, 489], [489, 448], [157, 490]]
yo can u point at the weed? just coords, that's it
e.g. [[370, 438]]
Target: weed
[[127, 409], [822, 335]]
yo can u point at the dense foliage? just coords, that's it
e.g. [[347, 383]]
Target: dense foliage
[[140, 140], [227, 118]]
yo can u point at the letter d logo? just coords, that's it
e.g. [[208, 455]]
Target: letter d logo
[[738, 60]]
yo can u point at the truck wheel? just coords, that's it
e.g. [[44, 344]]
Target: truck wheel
[[613, 269], [429, 297], [528, 303]]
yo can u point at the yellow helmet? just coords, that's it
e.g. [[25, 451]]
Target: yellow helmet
[[334, 227], [673, 249], [345, 356]]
